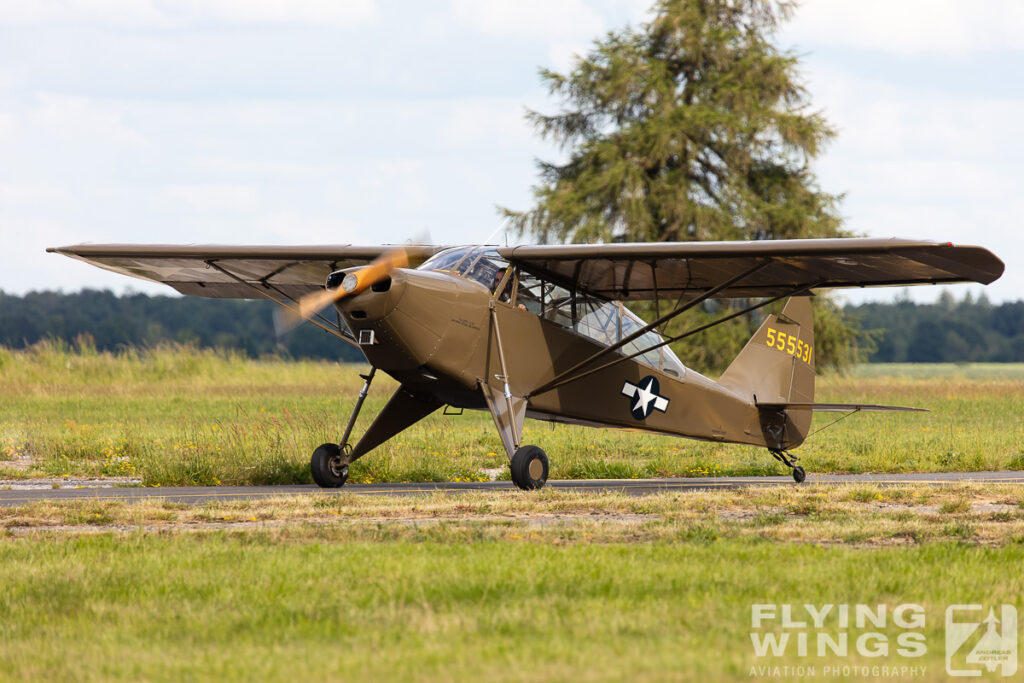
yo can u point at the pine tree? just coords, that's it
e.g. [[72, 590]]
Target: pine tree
[[694, 126]]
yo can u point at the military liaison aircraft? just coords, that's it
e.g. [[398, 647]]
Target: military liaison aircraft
[[541, 331]]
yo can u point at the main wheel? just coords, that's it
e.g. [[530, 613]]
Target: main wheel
[[529, 468], [326, 467], [798, 474]]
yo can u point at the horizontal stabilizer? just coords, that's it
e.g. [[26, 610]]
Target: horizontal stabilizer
[[842, 407]]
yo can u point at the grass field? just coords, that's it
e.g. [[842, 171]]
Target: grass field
[[181, 416], [499, 585], [503, 585]]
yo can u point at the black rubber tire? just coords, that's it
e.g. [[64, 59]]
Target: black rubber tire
[[324, 467], [529, 468], [799, 475]]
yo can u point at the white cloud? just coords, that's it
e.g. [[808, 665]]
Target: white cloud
[[240, 199], [911, 26], [31, 193], [311, 12], [232, 167], [107, 12], [880, 121], [83, 120], [8, 125], [940, 182], [565, 54], [183, 13], [546, 19], [293, 227], [7, 78], [568, 28], [485, 121]]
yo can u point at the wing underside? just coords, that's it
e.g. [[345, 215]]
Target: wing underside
[[767, 268], [232, 272]]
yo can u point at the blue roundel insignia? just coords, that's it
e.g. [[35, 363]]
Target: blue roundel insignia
[[645, 397]]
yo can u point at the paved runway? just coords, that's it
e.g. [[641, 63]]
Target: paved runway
[[633, 487]]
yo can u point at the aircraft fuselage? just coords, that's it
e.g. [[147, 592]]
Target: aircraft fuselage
[[433, 332]]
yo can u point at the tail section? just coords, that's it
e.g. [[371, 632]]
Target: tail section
[[777, 367]]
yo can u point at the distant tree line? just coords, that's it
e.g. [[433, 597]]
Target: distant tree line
[[948, 330], [142, 320]]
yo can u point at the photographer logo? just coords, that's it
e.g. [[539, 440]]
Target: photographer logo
[[976, 642]]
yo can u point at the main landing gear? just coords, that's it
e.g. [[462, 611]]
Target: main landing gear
[[328, 472], [329, 469], [787, 459], [529, 468]]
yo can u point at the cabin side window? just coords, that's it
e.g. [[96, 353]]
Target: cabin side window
[[530, 293], [654, 357], [606, 322], [598, 320]]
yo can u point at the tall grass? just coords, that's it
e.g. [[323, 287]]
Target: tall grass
[[182, 415]]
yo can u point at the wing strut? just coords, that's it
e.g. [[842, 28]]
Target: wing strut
[[555, 384], [567, 375], [337, 332]]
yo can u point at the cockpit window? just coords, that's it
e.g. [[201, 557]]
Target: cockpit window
[[446, 260], [480, 264]]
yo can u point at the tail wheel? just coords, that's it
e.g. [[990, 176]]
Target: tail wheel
[[529, 468], [788, 459], [326, 467]]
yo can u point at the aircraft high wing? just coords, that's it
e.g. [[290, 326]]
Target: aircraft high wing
[[618, 271], [666, 270], [232, 272]]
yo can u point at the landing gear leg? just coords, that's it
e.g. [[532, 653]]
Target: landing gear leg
[[787, 459], [367, 378], [327, 466]]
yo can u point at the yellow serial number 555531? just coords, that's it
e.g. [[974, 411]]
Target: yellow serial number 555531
[[790, 344]]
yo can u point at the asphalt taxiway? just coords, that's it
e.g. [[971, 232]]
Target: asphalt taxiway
[[21, 493]]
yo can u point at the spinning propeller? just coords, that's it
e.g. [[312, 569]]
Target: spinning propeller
[[353, 283]]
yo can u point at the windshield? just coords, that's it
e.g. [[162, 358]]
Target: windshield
[[479, 264], [445, 260]]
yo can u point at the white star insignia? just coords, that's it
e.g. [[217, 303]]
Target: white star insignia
[[644, 396]]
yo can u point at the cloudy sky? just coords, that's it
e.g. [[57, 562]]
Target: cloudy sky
[[369, 121]]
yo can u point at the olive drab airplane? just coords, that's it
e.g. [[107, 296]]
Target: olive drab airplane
[[541, 331]]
